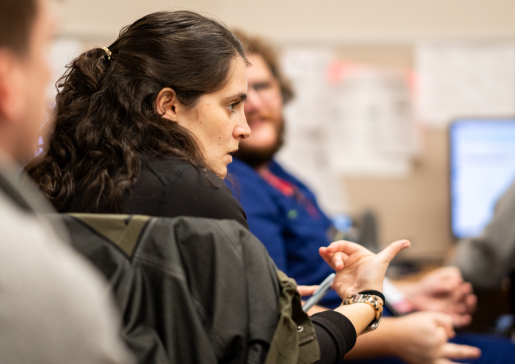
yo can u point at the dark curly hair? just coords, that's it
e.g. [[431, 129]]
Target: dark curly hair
[[106, 119]]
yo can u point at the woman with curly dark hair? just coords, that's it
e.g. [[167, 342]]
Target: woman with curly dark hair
[[147, 126]]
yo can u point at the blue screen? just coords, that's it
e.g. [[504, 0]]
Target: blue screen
[[482, 157]]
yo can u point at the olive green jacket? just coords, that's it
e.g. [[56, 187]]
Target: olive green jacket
[[195, 290]]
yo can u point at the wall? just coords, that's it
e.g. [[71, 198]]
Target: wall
[[357, 21], [414, 207], [378, 32]]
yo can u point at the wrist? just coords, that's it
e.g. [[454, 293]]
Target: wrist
[[360, 314], [371, 287], [374, 292], [372, 298]]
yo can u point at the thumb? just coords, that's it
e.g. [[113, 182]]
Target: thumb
[[391, 250], [306, 290]]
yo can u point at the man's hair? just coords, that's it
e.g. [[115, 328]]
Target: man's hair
[[257, 45], [16, 20]]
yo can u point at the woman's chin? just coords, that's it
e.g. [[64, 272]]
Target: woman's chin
[[223, 173], [221, 169]]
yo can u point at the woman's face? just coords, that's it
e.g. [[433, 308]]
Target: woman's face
[[218, 119]]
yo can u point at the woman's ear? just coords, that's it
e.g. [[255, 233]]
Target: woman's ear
[[167, 104]]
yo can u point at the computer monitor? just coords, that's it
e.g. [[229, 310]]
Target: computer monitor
[[482, 168]]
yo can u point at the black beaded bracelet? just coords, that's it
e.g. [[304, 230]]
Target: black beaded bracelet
[[375, 293]]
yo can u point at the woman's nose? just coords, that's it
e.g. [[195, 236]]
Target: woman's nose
[[242, 130]]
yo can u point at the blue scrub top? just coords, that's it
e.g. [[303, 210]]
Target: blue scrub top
[[291, 228], [292, 236]]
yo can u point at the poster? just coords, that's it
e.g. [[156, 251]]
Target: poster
[[465, 80]]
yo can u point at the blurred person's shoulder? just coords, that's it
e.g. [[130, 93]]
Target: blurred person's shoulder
[[55, 306]]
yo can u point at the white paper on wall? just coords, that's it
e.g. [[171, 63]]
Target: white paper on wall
[[465, 79], [306, 117], [373, 130], [345, 120], [306, 68]]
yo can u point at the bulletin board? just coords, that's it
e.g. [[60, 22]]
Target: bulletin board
[[411, 201]]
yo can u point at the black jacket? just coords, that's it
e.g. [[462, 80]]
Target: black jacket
[[190, 290], [168, 186]]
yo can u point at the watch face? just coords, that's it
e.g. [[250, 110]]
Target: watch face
[[373, 301], [356, 298]]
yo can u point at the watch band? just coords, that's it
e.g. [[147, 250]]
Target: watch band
[[375, 293], [374, 300]]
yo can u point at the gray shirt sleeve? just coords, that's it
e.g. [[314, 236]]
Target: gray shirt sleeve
[[487, 259], [54, 307]]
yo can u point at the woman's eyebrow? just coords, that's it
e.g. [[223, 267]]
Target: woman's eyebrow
[[240, 96]]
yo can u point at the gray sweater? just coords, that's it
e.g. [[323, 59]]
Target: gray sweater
[[54, 308], [487, 259]]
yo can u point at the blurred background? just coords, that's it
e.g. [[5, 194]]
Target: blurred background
[[378, 84]]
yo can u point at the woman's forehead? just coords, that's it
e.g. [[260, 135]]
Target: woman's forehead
[[237, 78]]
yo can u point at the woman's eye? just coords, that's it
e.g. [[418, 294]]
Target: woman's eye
[[232, 106]]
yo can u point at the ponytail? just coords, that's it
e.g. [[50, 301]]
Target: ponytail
[[106, 119]]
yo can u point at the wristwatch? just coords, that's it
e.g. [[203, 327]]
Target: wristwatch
[[373, 300]]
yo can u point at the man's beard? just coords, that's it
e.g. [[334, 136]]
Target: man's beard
[[258, 156]]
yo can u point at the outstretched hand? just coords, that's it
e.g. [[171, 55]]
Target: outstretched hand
[[443, 290], [422, 338], [357, 268]]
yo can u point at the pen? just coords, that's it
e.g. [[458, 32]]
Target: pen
[[319, 293]]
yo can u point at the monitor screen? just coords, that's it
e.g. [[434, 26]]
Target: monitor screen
[[482, 161]]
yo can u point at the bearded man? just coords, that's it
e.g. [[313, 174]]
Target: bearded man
[[283, 213]]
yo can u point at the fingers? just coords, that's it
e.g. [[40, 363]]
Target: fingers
[[461, 320], [339, 259], [345, 246], [448, 279], [466, 289], [463, 304], [461, 293], [444, 321], [326, 256], [465, 299], [446, 285], [391, 250], [306, 290], [444, 361], [337, 253], [335, 260], [471, 303], [455, 351]]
